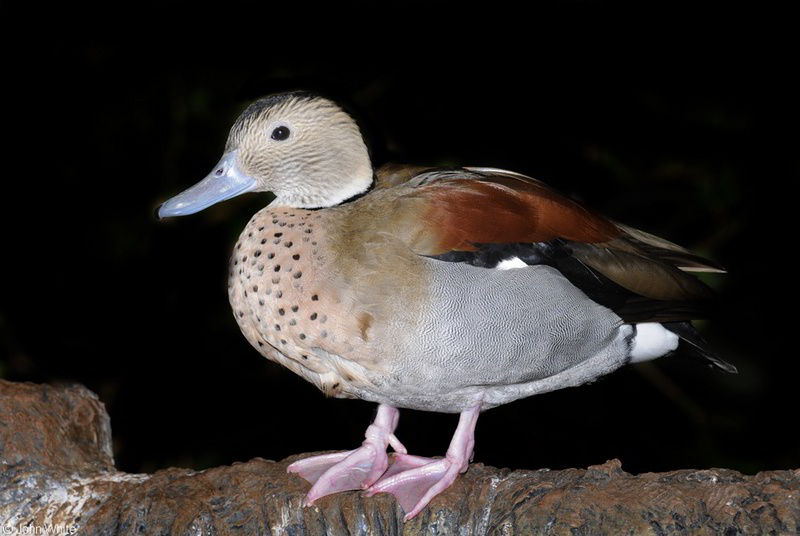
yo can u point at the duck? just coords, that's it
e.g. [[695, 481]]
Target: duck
[[449, 290]]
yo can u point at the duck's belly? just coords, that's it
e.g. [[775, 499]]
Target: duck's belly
[[440, 339]]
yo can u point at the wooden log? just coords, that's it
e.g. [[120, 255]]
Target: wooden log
[[58, 474]]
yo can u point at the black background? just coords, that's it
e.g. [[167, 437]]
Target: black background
[[686, 131]]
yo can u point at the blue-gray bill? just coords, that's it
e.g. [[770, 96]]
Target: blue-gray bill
[[224, 182]]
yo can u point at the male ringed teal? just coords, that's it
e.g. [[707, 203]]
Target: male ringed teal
[[451, 290]]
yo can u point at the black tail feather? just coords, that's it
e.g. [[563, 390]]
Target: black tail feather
[[698, 345]]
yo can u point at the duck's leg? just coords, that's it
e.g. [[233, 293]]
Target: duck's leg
[[414, 481], [356, 469]]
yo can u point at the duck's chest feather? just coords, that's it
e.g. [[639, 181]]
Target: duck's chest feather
[[303, 300]]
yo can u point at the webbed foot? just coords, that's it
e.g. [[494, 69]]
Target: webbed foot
[[414, 480], [355, 469]]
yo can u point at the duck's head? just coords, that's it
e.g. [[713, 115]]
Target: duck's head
[[299, 146]]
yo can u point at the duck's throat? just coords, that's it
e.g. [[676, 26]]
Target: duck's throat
[[330, 193]]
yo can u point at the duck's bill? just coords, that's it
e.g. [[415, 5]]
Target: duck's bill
[[224, 182]]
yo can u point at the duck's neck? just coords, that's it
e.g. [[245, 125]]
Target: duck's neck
[[326, 192]]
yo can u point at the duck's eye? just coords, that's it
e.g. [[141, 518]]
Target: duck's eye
[[280, 133]]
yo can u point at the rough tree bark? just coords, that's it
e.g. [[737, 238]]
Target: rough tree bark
[[57, 473]]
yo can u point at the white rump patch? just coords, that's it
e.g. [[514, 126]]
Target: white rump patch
[[652, 340], [508, 264]]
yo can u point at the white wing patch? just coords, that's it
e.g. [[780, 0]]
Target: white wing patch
[[652, 340], [508, 264]]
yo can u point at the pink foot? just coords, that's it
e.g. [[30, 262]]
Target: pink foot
[[356, 469], [414, 481]]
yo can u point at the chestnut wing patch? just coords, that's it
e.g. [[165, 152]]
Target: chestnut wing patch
[[507, 210]]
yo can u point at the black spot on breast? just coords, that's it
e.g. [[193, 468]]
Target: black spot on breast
[[260, 301], [260, 343], [257, 253], [277, 268], [294, 308], [296, 257], [279, 294], [313, 316], [302, 336], [277, 327], [270, 255], [255, 288], [292, 322], [304, 356], [314, 297], [263, 240], [281, 311], [283, 341], [297, 275], [261, 228], [276, 235], [287, 244]]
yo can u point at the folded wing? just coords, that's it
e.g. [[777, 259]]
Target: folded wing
[[485, 216]]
